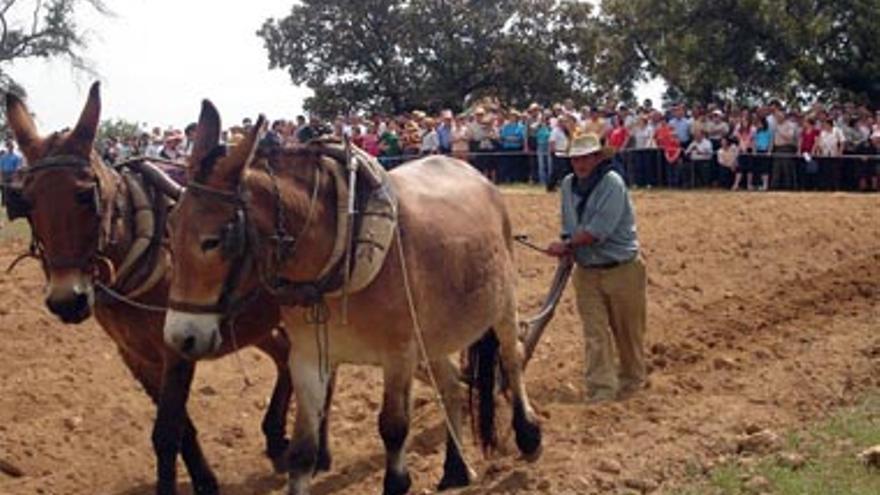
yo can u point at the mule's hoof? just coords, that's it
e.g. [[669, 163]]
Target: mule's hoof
[[455, 479], [324, 462], [397, 484], [280, 457], [207, 486], [280, 464], [528, 440]]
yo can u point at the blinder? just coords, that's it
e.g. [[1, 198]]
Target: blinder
[[233, 238], [15, 203]]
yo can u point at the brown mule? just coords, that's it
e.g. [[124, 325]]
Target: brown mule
[[228, 231], [87, 218]]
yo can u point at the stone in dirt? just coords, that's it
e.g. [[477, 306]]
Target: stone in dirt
[[609, 466], [757, 484], [640, 485], [791, 460], [762, 442], [10, 469], [724, 363], [871, 457]]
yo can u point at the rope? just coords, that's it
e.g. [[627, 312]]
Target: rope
[[417, 329], [131, 302], [247, 380]]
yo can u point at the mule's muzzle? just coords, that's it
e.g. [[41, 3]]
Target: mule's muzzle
[[72, 305], [193, 336]]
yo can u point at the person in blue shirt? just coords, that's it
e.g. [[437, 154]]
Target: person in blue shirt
[[10, 162], [542, 150], [610, 281], [763, 148], [444, 132], [513, 144]]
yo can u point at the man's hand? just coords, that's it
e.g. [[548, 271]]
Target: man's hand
[[582, 238], [559, 249]]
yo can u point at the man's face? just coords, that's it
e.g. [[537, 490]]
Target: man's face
[[583, 165]]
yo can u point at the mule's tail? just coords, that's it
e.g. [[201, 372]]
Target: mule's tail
[[482, 365]]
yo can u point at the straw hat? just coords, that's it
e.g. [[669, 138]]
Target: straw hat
[[584, 145]]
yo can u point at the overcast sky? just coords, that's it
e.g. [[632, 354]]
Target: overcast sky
[[157, 59]]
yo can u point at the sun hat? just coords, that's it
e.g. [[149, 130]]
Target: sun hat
[[583, 145]]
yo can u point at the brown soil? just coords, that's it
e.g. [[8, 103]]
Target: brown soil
[[764, 311]]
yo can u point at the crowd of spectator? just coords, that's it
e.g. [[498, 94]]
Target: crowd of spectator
[[758, 148]]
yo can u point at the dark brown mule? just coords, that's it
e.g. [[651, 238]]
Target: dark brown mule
[[249, 219], [83, 217]]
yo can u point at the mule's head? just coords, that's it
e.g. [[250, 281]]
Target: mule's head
[[209, 239], [62, 193]]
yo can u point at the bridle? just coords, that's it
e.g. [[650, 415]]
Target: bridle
[[19, 207], [240, 244]]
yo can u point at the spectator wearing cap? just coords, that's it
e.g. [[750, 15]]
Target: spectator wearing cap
[[171, 150], [599, 232], [533, 118], [430, 141], [716, 129], [484, 135], [785, 146]]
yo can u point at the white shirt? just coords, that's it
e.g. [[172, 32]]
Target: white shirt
[[700, 150], [830, 142], [559, 141]]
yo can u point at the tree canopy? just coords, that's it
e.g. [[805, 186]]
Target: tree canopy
[[746, 49], [396, 55], [41, 29]]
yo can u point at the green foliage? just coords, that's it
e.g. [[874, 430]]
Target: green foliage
[[118, 129], [41, 29], [747, 49], [393, 55], [830, 449]]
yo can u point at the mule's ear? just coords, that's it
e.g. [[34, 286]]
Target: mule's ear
[[243, 153], [22, 124], [87, 127], [207, 132]]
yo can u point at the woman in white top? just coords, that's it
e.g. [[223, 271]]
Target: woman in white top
[[700, 154], [727, 159]]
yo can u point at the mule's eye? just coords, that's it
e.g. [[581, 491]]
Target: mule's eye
[[86, 197], [210, 243]]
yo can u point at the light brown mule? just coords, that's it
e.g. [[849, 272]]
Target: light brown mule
[[82, 217], [457, 248]]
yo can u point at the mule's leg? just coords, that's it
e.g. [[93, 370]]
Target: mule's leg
[[394, 423], [456, 472], [325, 460], [525, 424], [170, 431], [277, 346], [311, 393], [149, 375]]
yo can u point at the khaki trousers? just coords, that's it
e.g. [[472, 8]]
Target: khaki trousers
[[612, 306]]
